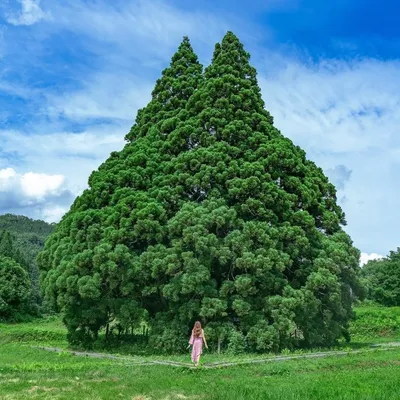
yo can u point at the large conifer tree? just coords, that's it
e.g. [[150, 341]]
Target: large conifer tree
[[208, 213]]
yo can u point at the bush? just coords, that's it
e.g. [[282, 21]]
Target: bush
[[15, 291], [237, 343], [382, 279]]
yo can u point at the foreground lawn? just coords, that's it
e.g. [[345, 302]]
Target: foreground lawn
[[32, 373]]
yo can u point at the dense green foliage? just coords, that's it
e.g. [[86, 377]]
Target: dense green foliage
[[375, 323], [15, 290], [28, 237], [382, 279], [21, 239], [24, 226], [8, 248], [208, 212]]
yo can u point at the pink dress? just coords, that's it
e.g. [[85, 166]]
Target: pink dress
[[197, 347]]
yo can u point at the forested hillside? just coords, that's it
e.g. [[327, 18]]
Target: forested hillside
[[21, 239], [21, 225], [28, 235]]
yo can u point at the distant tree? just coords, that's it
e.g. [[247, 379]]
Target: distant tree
[[382, 279], [21, 239], [8, 248], [6, 245], [15, 290]]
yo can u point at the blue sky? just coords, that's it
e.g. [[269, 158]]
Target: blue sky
[[74, 73]]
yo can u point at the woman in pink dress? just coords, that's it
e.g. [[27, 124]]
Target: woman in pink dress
[[196, 341]]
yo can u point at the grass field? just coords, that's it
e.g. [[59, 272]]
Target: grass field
[[27, 372]]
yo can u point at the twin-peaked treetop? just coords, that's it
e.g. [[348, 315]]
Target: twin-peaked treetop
[[229, 101], [208, 212]]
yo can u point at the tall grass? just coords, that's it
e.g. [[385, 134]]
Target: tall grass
[[375, 323]]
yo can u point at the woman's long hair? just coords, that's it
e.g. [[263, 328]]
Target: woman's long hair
[[197, 329]]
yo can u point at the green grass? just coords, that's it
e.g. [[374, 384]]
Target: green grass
[[30, 373], [375, 323], [49, 331]]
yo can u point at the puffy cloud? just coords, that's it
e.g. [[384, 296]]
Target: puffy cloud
[[43, 194], [53, 213], [365, 257], [38, 186]]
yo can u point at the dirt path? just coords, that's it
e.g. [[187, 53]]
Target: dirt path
[[133, 361]]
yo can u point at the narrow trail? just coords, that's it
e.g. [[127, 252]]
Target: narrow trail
[[139, 362]]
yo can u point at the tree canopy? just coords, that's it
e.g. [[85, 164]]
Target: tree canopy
[[15, 290], [208, 213], [382, 279], [21, 239]]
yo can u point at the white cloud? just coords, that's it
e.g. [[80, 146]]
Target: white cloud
[[336, 106], [138, 28], [24, 191], [104, 95], [70, 155], [53, 213], [30, 187], [365, 257], [30, 14], [38, 186]]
